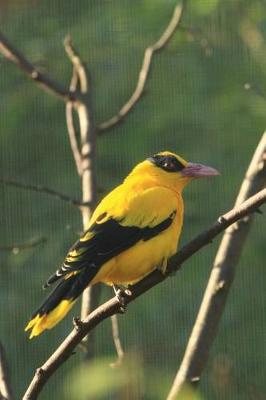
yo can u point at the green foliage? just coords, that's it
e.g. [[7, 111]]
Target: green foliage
[[195, 104]]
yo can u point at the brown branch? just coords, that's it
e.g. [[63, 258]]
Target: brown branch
[[72, 134], [145, 70], [6, 392], [221, 278], [16, 247], [78, 76], [85, 161], [111, 307], [46, 190], [117, 342], [17, 58]]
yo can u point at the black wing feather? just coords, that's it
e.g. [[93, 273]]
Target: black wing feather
[[110, 239]]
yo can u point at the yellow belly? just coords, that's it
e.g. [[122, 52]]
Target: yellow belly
[[133, 264]]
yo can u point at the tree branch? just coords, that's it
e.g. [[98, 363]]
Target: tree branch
[[6, 392], [17, 58], [111, 307], [145, 70], [117, 342], [78, 76], [46, 190], [15, 247], [86, 163], [221, 278]]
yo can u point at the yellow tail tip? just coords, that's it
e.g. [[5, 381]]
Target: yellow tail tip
[[47, 321]]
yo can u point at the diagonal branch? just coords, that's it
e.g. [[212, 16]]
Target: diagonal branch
[[6, 392], [221, 278], [46, 190], [17, 58], [145, 70], [16, 247], [111, 307]]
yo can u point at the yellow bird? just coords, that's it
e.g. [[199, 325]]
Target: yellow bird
[[134, 230]]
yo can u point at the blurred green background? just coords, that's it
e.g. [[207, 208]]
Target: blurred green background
[[196, 105]]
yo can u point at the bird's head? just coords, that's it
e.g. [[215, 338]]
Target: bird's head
[[172, 170]]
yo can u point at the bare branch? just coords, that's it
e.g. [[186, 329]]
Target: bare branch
[[6, 392], [17, 58], [111, 307], [46, 190], [221, 278], [145, 70], [16, 247], [78, 65], [86, 165], [70, 125], [117, 342]]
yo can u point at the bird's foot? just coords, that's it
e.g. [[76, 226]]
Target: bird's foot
[[121, 294]]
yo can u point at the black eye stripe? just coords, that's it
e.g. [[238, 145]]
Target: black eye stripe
[[167, 163]]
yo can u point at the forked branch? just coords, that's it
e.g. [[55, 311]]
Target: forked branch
[[17, 58], [111, 307], [145, 70]]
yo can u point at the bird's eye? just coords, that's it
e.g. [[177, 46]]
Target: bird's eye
[[169, 165]]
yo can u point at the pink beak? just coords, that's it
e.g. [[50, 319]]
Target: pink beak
[[194, 170]]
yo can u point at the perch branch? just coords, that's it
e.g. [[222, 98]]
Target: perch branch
[[221, 278], [15, 247], [46, 190], [6, 392], [111, 307], [145, 70], [17, 58]]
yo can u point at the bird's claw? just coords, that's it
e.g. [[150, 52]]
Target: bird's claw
[[121, 294]]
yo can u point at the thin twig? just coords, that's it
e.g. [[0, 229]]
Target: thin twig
[[46, 190], [145, 70], [221, 278], [6, 392], [111, 307], [117, 342], [16, 247], [78, 65], [71, 126], [17, 58]]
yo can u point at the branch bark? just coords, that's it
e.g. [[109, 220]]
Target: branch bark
[[117, 342], [46, 190], [111, 307], [85, 161], [47, 83], [145, 70], [6, 392], [221, 278]]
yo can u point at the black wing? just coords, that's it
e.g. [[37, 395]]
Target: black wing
[[101, 242]]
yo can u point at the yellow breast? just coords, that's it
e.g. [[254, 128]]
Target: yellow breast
[[134, 263]]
